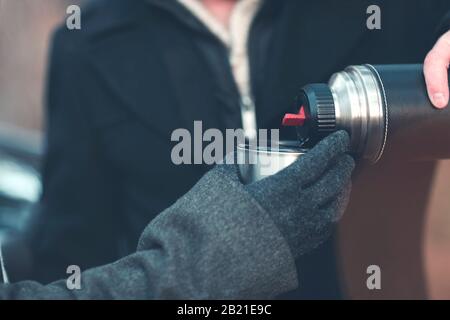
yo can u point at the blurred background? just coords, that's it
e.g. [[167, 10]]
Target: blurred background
[[25, 31]]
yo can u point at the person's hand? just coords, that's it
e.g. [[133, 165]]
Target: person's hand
[[436, 71], [306, 198]]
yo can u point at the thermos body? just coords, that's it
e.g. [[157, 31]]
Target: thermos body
[[384, 108], [416, 130]]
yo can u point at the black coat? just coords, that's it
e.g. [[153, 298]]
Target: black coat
[[140, 69]]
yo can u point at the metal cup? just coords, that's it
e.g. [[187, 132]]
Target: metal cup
[[257, 162]]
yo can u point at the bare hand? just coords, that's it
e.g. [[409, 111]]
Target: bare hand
[[435, 67]]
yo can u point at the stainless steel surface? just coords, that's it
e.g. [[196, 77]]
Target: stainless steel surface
[[256, 163], [360, 109]]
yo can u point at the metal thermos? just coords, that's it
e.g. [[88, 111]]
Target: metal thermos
[[384, 108]]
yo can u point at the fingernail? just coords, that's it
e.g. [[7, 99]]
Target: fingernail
[[439, 100]]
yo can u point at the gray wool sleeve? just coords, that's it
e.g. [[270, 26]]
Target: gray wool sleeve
[[216, 242]]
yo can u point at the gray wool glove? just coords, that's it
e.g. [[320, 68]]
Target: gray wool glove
[[306, 198]]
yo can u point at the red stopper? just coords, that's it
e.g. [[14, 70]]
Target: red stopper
[[298, 119]]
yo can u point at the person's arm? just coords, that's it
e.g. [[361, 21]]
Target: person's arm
[[224, 240], [436, 66], [215, 242]]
